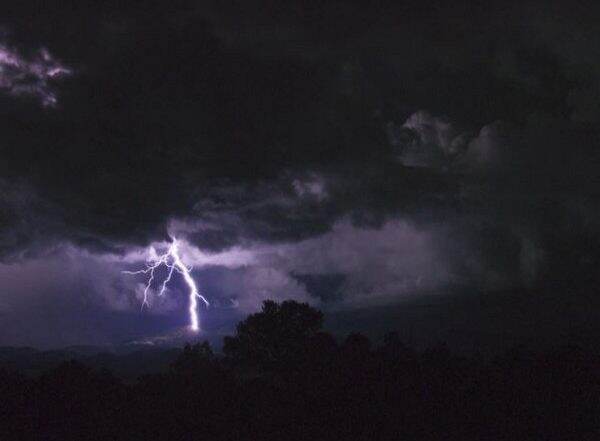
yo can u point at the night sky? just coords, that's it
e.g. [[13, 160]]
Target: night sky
[[427, 168]]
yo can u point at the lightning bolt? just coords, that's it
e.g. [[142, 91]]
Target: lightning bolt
[[172, 261]]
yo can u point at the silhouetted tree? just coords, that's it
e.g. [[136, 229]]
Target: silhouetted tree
[[394, 350], [193, 359], [357, 345], [276, 336], [316, 390], [322, 345]]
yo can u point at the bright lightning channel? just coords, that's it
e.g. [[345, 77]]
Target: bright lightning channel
[[172, 261]]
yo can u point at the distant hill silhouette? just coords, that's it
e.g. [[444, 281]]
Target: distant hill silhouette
[[126, 362]]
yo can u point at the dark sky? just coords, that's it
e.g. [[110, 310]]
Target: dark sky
[[347, 155]]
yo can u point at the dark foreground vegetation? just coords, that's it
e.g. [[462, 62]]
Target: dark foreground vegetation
[[282, 378]]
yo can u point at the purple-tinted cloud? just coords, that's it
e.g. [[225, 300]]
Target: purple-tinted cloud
[[33, 76]]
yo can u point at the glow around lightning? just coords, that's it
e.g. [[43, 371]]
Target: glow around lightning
[[172, 261]]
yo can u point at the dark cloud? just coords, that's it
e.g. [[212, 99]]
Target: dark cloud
[[464, 134], [327, 287], [170, 102]]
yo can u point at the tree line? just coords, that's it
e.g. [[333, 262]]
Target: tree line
[[281, 377]]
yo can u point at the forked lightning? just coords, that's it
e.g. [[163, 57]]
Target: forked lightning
[[172, 261]]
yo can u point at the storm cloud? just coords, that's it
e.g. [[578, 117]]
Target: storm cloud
[[341, 154]]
